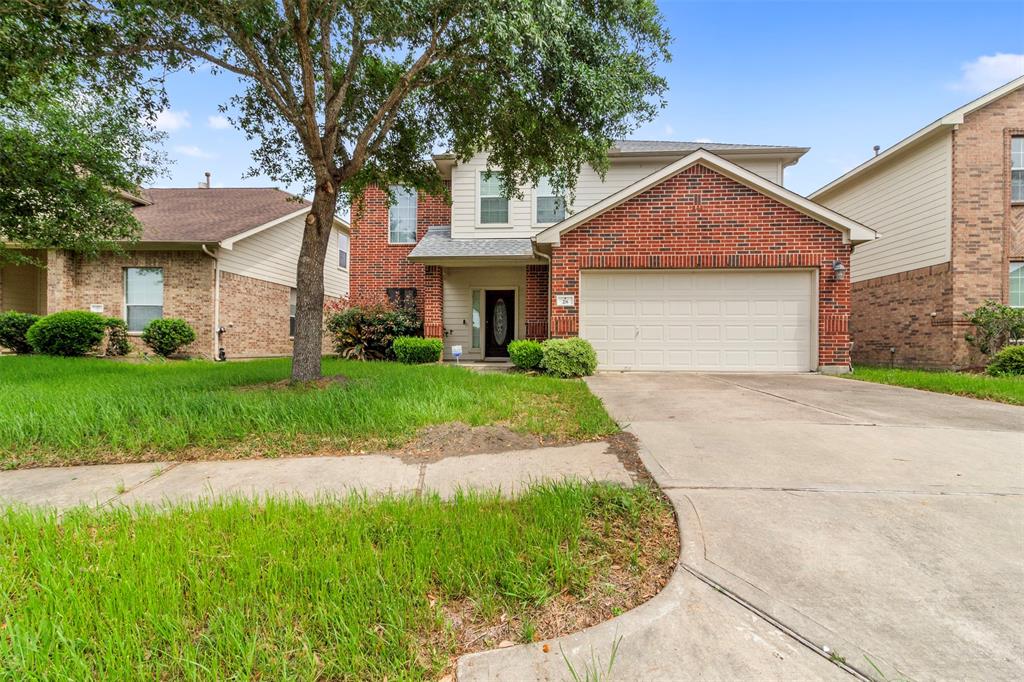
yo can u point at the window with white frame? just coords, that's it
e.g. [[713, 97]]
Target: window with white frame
[[342, 250], [1017, 170], [493, 204], [293, 298], [402, 216], [143, 296], [1017, 284], [550, 206]]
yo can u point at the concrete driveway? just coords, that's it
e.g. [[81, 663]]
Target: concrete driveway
[[884, 523]]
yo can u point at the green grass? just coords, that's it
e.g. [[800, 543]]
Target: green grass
[[1001, 389], [59, 410], [286, 589]]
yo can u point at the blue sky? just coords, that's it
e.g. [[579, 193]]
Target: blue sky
[[837, 77]]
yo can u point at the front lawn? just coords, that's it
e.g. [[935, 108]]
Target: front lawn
[[351, 589], [1002, 389], [59, 411]]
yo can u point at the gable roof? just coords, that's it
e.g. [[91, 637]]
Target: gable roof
[[643, 147], [953, 118], [853, 231]]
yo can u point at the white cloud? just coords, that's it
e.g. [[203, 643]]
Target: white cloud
[[193, 151], [168, 120], [218, 122], [988, 72], [703, 139], [669, 130]]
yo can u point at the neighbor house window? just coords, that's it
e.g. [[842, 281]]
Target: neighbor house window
[[493, 204], [550, 207], [1017, 284], [402, 216], [342, 250], [1017, 170], [402, 297], [143, 296], [293, 298]]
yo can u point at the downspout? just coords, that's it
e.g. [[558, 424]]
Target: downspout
[[216, 303], [547, 303]]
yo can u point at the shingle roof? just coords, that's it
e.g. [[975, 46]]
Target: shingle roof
[[210, 215], [655, 146], [438, 243]]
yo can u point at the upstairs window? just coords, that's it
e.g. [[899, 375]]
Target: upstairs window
[[1017, 170], [342, 250], [143, 296], [493, 204], [293, 298], [550, 207], [1017, 284], [402, 216]]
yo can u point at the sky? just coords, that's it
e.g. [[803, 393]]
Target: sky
[[837, 77]]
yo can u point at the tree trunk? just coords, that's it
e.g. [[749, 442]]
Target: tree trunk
[[309, 303]]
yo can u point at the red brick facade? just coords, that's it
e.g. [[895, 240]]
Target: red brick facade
[[536, 302], [701, 219]]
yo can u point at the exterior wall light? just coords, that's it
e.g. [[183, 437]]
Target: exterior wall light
[[838, 271]]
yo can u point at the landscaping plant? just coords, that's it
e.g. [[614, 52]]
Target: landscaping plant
[[566, 358], [1007, 362], [167, 336], [995, 325], [368, 332], [70, 333], [13, 328], [117, 337], [415, 350], [525, 353]]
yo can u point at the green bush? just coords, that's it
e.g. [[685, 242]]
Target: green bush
[[995, 325], [1007, 362], [525, 354], [166, 336], [71, 333], [569, 357], [117, 337], [368, 332], [13, 328], [414, 350]]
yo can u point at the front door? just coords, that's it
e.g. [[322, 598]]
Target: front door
[[500, 311]]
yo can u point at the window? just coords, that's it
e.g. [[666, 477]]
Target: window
[[293, 298], [143, 296], [402, 216], [403, 297], [1017, 284], [476, 318], [342, 250], [493, 205], [550, 207], [1017, 170]]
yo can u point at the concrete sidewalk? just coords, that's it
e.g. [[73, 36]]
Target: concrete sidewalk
[[175, 482]]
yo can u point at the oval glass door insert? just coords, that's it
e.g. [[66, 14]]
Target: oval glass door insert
[[499, 322]]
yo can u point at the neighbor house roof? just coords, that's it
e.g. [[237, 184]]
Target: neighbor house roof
[[852, 231], [438, 244], [947, 122], [212, 215]]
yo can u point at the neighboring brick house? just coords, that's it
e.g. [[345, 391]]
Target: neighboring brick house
[[222, 259], [683, 257], [948, 204]]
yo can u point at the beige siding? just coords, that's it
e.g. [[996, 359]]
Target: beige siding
[[590, 189], [908, 201], [458, 303], [273, 254], [23, 288]]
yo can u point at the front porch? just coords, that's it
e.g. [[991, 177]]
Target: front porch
[[23, 286]]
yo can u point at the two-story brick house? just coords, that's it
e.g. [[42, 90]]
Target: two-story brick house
[[684, 256], [948, 204]]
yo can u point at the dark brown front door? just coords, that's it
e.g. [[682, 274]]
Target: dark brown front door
[[500, 309]]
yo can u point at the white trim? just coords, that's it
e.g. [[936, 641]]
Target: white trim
[[229, 243], [534, 200], [950, 120], [478, 209], [483, 318], [415, 220], [853, 232]]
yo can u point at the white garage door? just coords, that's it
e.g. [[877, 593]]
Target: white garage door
[[713, 320]]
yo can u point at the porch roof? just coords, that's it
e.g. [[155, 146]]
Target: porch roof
[[438, 247]]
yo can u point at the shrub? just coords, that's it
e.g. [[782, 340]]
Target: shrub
[[368, 332], [1007, 362], [13, 328], [568, 357], [166, 336], [995, 325], [414, 350], [525, 354], [117, 337], [71, 333]]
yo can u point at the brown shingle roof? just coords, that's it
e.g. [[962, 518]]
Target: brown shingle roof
[[210, 215]]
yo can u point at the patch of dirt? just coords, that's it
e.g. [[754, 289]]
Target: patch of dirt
[[324, 382], [459, 439], [625, 446]]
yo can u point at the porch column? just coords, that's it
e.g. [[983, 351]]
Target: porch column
[[537, 302], [433, 305]]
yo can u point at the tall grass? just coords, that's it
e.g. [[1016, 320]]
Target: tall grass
[[288, 589], [1004, 389], [84, 409]]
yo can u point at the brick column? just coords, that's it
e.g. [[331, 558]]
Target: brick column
[[60, 282], [537, 302], [432, 301]]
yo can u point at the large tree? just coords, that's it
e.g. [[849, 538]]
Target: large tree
[[342, 94]]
